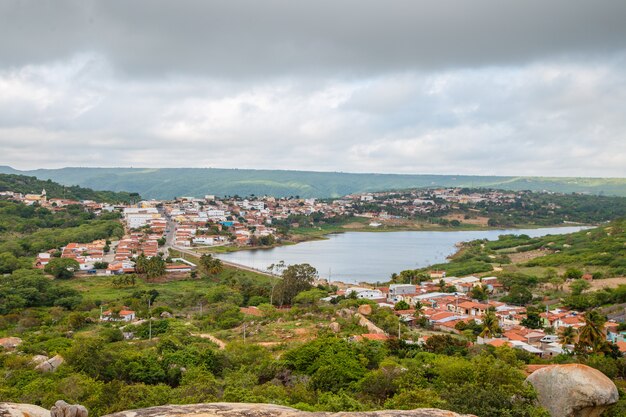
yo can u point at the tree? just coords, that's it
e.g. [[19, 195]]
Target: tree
[[402, 305], [579, 286], [155, 267], [62, 268], [567, 335], [491, 327], [533, 319], [296, 278], [479, 292], [519, 295], [590, 336], [309, 297], [211, 265], [573, 273]]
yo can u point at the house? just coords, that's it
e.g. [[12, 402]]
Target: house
[[125, 314], [42, 260], [397, 291], [366, 293]]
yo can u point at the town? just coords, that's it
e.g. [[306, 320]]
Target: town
[[441, 304]]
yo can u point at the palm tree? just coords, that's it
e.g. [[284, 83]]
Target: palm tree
[[567, 335], [591, 337], [491, 326]]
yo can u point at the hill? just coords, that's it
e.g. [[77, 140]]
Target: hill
[[166, 183], [26, 185]]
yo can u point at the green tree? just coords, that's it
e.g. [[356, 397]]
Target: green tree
[[573, 273], [532, 319], [578, 286], [402, 305], [62, 268], [591, 336], [210, 265], [567, 335], [491, 327], [296, 278]]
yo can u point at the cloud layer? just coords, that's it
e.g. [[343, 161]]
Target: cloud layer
[[479, 87]]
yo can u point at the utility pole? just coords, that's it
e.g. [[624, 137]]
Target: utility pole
[[399, 323], [244, 332]]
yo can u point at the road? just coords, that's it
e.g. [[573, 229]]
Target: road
[[169, 244], [191, 252]]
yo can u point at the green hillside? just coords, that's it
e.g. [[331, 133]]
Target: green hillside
[[171, 182], [25, 185]]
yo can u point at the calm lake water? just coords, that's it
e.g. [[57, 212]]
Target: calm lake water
[[373, 256]]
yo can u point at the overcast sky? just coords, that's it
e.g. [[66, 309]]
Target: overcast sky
[[532, 87]]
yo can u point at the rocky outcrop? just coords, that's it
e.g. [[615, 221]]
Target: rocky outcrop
[[267, 410], [10, 343], [50, 365], [63, 409], [573, 390], [365, 309], [22, 410]]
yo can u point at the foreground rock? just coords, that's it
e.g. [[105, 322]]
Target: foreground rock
[[573, 390], [267, 410], [63, 409], [22, 410]]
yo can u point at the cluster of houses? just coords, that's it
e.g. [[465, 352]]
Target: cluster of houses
[[453, 312], [55, 204], [86, 254]]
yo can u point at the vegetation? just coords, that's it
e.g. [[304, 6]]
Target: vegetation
[[32, 185], [166, 183], [28, 230]]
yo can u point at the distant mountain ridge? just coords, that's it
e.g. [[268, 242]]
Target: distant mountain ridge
[[167, 183]]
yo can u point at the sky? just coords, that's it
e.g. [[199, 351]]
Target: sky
[[483, 87]]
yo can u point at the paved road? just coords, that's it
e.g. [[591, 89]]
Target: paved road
[[191, 252]]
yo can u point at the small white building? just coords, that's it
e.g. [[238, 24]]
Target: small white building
[[366, 293]]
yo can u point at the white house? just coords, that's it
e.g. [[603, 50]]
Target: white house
[[366, 293]]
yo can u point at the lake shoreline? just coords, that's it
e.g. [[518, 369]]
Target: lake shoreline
[[374, 256], [316, 235]]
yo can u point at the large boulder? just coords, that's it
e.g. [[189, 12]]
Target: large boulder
[[22, 410], [267, 410], [573, 390], [365, 309]]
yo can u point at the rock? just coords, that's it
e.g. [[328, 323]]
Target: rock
[[573, 390], [335, 327], [10, 342], [166, 315], [37, 359], [345, 313], [22, 410], [51, 364], [365, 309], [63, 409], [267, 410]]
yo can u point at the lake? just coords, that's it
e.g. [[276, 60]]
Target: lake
[[354, 257]]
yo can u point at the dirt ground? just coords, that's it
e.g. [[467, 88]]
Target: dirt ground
[[478, 220], [521, 257], [607, 282]]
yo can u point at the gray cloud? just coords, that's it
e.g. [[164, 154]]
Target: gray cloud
[[481, 87], [227, 38]]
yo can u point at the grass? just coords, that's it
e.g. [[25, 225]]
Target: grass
[[101, 288]]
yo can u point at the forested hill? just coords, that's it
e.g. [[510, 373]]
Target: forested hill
[[166, 183], [27, 185]]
